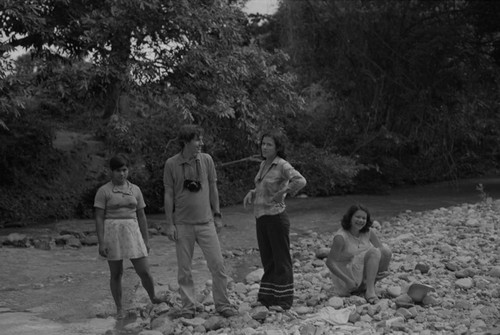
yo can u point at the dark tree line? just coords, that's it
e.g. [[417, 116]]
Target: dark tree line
[[371, 93], [410, 86]]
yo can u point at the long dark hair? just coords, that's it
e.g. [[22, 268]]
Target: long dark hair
[[279, 139], [346, 219]]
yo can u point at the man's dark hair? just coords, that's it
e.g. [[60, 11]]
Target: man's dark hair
[[118, 161], [187, 133]]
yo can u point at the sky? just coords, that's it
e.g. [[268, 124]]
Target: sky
[[261, 6], [251, 7]]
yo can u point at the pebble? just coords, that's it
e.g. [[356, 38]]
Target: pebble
[[465, 283]]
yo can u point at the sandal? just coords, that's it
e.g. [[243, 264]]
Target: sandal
[[382, 275], [372, 300]]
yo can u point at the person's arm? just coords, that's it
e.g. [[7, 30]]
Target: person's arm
[[335, 257], [215, 205], [295, 183], [374, 239], [99, 225], [248, 198], [143, 226], [170, 229]]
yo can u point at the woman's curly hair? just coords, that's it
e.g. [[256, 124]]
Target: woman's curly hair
[[346, 219]]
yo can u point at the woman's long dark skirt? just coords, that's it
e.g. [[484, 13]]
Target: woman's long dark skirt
[[273, 237]]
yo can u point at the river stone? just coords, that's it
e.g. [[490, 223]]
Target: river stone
[[465, 283], [464, 273], [464, 259], [394, 291], [151, 332], [494, 272], [44, 243], [307, 329], [336, 302], [215, 323], [259, 313], [429, 301], [254, 276], [90, 240], [248, 331], [18, 240], [423, 268], [473, 222], [404, 300], [418, 291], [322, 253], [240, 288], [301, 310], [193, 322], [74, 242], [451, 266]]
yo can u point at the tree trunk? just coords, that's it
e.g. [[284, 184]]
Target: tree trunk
[[118, 63]]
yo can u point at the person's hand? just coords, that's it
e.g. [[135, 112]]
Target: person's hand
[[103, 251], [171, 232], [278, 197], [248, 199], [218, 224], [148, 248], [351, 285]]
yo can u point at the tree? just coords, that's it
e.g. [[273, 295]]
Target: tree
[[402, 83], [152, 65]]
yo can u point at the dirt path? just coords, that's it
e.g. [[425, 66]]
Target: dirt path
[[62, 290]]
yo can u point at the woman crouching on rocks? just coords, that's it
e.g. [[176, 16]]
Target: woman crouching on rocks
[[122, 230], [357, 259]]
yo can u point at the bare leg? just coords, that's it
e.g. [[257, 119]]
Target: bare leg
[[372, 260], [115, 283], [141, 266]]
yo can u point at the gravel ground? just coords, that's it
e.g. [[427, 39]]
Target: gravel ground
[[452, 251]]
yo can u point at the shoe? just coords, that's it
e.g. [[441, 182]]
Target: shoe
[[278, 309], [228, 312]]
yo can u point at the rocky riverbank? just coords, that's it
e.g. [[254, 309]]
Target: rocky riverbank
[[454, 251]]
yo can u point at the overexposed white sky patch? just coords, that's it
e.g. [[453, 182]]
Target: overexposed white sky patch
[[261, 6], [251, 7]]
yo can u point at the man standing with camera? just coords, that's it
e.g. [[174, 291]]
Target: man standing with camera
[[193, 215]]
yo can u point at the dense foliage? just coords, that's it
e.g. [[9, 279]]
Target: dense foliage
[[130, 73], [409, 86], [372, 93]]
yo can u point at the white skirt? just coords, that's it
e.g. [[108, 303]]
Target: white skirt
[[123, 239], [354, 270]]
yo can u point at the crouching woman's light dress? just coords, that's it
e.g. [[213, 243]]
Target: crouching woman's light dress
[[352, 260]]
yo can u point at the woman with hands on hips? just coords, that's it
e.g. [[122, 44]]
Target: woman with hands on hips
[[122, 230], [276, 178], [357, 259]]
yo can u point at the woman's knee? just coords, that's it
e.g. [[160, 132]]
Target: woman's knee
[[385, 252], [374, 253]]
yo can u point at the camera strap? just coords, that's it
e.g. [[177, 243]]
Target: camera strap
[[197, 161]]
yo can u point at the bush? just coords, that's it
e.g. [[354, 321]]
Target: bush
[[326, 173]]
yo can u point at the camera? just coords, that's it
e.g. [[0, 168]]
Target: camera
[[192, 185]]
